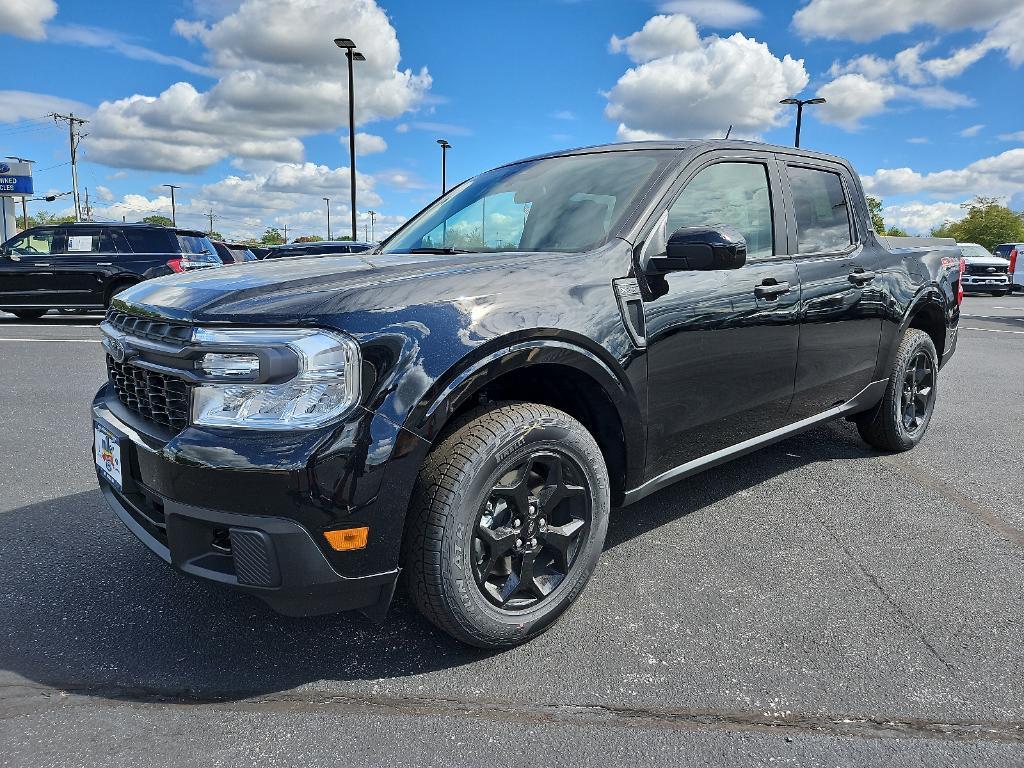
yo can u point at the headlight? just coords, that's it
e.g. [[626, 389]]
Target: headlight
[[325, 387]]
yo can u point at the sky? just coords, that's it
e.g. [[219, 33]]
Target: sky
[[244, 103]]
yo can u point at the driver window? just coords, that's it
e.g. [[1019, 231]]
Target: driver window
[[32, 244], [731, 194]]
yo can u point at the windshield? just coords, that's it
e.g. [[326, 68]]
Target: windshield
[[570, 204], [971, 249]]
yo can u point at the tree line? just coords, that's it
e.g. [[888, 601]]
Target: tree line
[[987, 223]]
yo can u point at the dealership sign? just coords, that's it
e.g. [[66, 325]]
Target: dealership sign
[[15, 178]]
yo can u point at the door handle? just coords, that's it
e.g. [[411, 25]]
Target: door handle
[[41, 264], [859, 277], [771, 290]]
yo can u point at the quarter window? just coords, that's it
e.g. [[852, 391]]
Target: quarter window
[[822, 213], [730, 194]]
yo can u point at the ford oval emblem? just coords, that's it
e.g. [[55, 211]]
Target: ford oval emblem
[[117, 350], [5, 168]]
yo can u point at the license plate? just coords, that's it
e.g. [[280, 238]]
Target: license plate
[[108, 456]]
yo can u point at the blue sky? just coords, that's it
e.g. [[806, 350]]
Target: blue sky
[[243, 103]]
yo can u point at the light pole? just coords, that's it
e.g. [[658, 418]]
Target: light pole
[[174, 220], [373, 217], [800, 112], [352, 55], [445, 146], [328, 201]]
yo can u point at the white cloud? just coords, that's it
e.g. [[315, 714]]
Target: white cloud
[[699, 89], [854, 96], [26, 18], [24, 105], [995, 176], [660, 36], [919, 218], [919, 140], [973, 130], [860, 21], [1016, 136], [104, 194], [563, 114], [366, 143], [97, 37], [280, 78], [713, 13]]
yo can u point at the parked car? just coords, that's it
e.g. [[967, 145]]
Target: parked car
[[1014, 253], [259, 251], [984, 272], [233, 253], [466, 403], [82, 266], [322, 248]]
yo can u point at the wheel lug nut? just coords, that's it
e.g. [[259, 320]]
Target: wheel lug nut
[[517, 523], [519, 542], [543, 523]]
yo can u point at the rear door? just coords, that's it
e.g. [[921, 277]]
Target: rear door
[[842, 303], [721, 345], [82, 266]]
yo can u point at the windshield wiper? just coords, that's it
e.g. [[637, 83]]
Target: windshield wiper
[[445, 251]]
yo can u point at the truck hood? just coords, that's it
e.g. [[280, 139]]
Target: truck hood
[[987, 261], [286, 290]]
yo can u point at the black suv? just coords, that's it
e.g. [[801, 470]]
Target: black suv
[[467, 402], [82, 266]]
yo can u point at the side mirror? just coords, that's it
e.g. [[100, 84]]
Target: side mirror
[[701, 248]]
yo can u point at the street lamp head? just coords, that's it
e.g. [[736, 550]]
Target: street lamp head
[[326, 199], [444, 143], [357, 56], [817, 100], [790, 101], [344, 42]]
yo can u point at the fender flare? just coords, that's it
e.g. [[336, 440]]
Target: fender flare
[[929, 294]]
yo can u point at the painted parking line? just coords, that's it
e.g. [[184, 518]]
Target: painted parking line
[[57, 341], [989, 330], [46, 325]]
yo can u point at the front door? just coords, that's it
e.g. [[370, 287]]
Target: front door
[[26, 274], [722, 345]]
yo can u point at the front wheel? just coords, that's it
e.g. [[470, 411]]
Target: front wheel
[[900, 420], [506, 525], [28, 314]]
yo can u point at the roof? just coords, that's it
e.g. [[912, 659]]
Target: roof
[[321, 242], [686, 144]]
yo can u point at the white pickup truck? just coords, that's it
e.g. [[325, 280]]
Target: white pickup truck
[[984, 272]]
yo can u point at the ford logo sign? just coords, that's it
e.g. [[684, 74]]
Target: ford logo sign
[[5, 168], [991, 269], [117, 350]]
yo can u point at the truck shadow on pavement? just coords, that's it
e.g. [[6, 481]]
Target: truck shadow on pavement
[[85, 608]]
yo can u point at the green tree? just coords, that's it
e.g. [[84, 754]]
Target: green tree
[[987, 223], [44, 218], [896, 232], [158, 221], [308, 239], [875, 209], [272, 236], [215, 235]]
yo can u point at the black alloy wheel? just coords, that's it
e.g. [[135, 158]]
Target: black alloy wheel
[[918, 391], [529, 530]]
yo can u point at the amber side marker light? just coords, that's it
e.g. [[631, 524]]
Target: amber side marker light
[[347, 538]]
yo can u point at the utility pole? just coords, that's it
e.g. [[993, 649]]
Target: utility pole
[[373, 218], [210, 217], [24, 212], [88, 208], [285, 228], [174, 219], [73, 138], [328, 201]]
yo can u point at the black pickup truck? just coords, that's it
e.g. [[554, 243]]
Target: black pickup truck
[[465, 403]]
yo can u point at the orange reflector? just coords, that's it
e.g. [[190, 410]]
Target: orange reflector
[[348, 538]]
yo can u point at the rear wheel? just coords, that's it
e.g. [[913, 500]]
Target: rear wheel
[[900, 420], [507, 522], [28, 314]]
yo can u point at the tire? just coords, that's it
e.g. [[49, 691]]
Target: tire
[[28, 314], [997, 294], [457, 496], [115, 289], [886, 425]]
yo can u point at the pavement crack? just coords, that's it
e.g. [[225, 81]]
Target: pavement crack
[[17, 699]]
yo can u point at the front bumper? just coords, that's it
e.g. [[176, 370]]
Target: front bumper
[[985, 284], [256, 525]]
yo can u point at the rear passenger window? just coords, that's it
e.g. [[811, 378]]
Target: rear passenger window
[[822, 215], [730, 194]]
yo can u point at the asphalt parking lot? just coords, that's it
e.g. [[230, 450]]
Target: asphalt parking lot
[[815, 603]]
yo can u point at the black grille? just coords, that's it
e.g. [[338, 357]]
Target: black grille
[[155, 330], [986, 271], [154, 396]]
